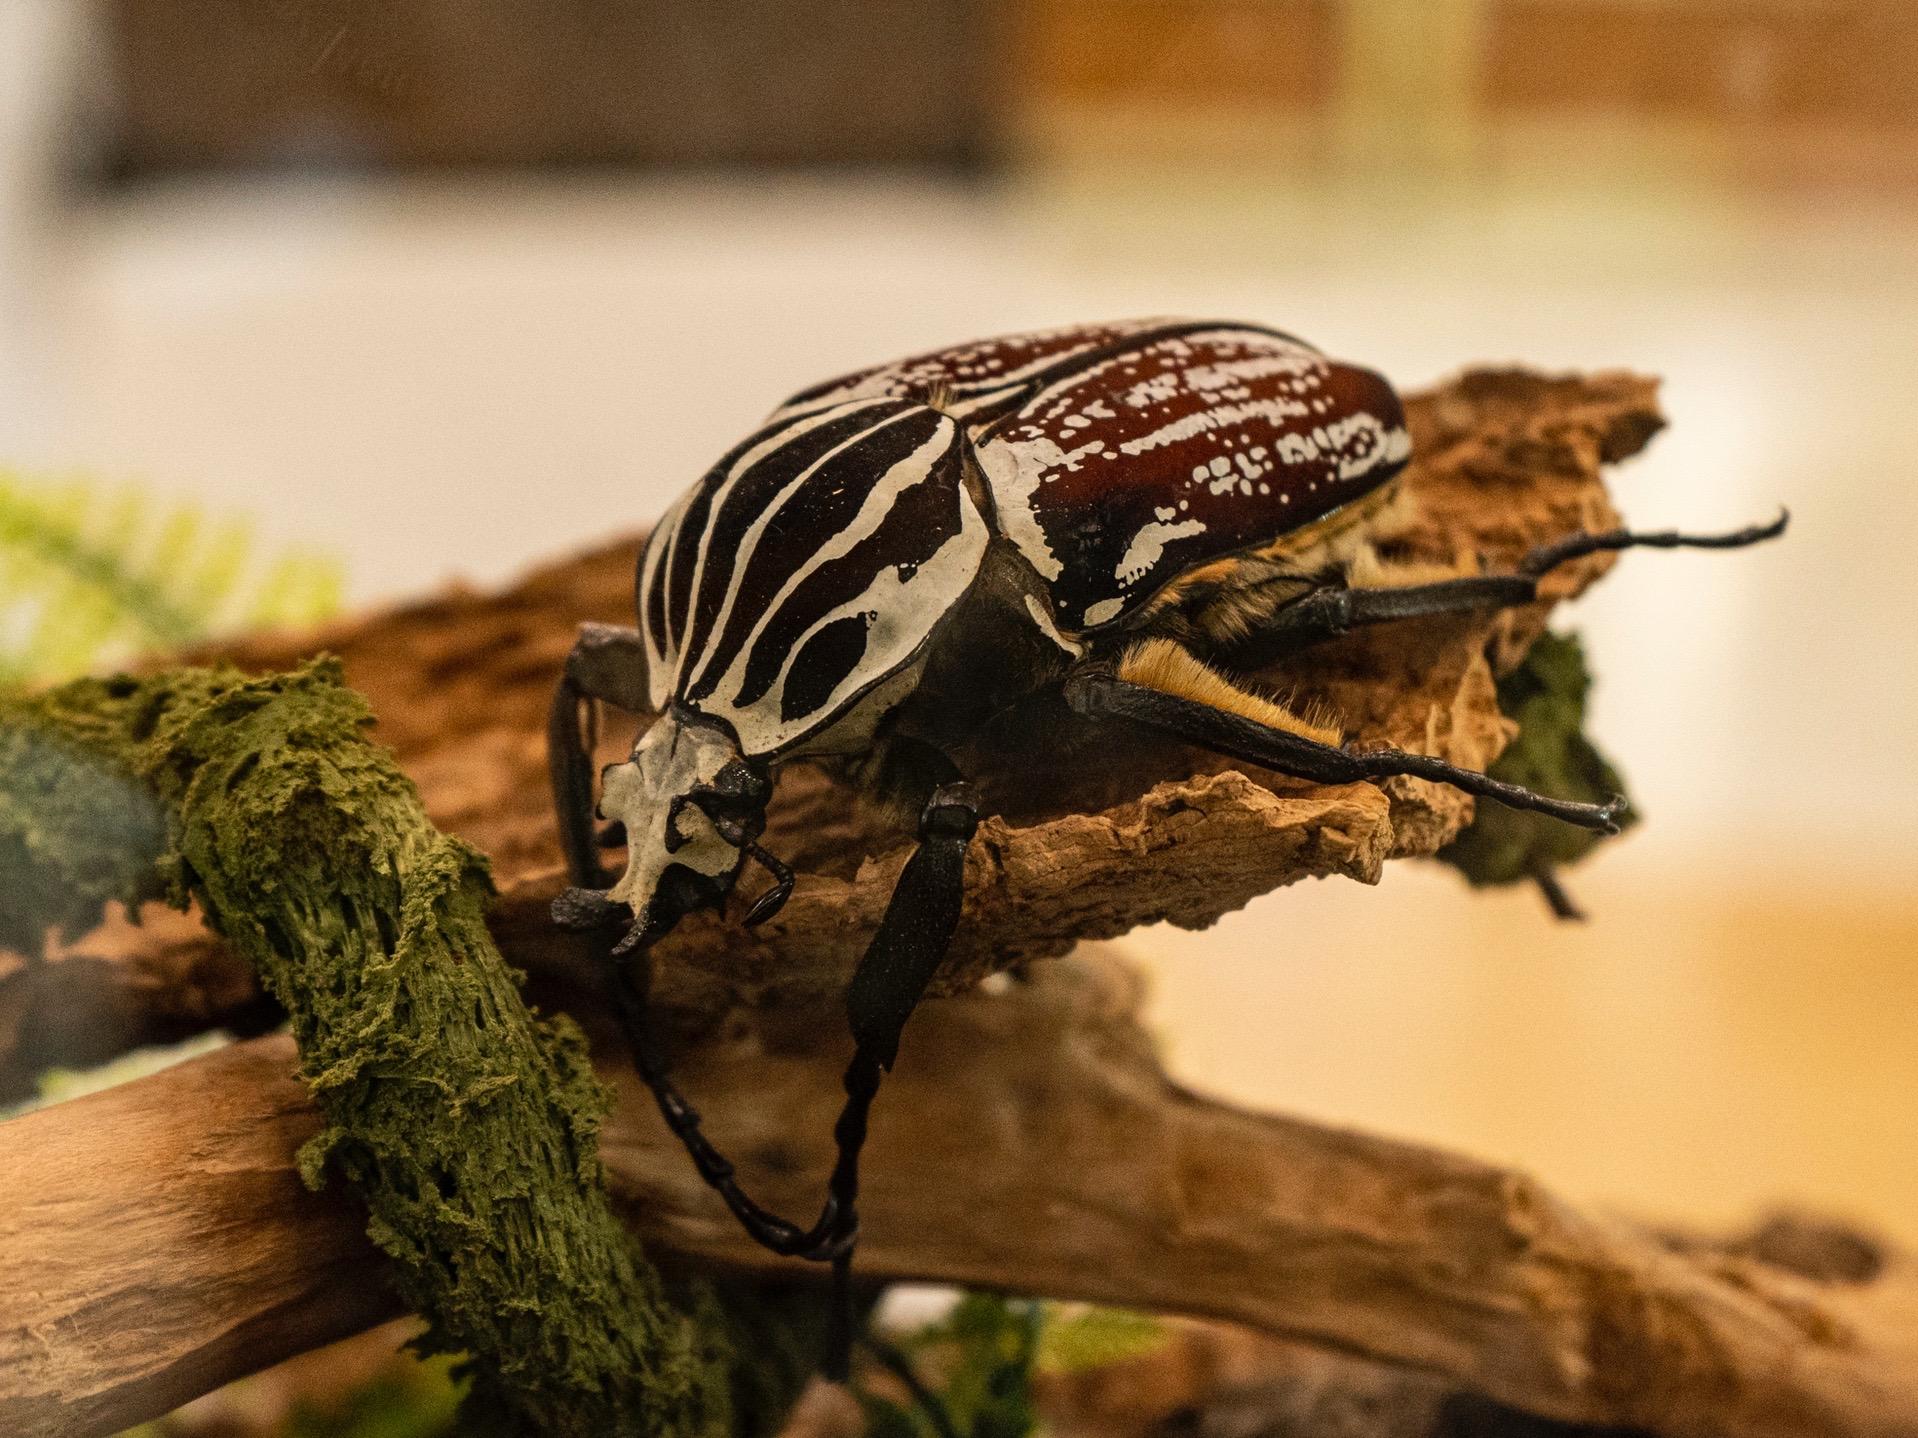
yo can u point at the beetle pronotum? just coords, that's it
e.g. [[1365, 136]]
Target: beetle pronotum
[[1110, 520]]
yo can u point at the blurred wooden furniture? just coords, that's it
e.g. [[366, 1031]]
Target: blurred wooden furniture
[[250, 83], [1812, 89], [1761, 88], [1823, 62]]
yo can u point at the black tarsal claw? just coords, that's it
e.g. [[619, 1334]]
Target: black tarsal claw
[[765, 906], [774, 899], [1615, 809], [1599, 818]]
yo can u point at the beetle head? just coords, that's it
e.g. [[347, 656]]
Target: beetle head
[[693, 807]]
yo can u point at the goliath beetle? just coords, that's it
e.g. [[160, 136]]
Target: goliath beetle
[[1116, 519]]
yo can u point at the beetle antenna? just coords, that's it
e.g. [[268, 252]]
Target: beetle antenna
[[774, 899]]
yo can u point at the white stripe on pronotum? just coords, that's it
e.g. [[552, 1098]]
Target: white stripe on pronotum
[[879, 501], [749, 541]]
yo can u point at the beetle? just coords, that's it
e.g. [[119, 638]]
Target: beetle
[[1117, 521]]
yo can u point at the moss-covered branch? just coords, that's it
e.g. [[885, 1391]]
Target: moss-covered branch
[[468, 1126]]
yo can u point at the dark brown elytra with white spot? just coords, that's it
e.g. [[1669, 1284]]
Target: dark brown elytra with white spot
[[1106, 523], [1121, 455]]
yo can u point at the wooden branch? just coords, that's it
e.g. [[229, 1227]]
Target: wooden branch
[[146, 1293], [1082, 847], [158, 1241]]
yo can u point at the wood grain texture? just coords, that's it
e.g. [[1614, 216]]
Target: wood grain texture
[[156, 1239], [164, 1245]]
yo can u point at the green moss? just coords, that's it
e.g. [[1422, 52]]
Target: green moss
[[74, 833], [1546, 695], [468, 1126]]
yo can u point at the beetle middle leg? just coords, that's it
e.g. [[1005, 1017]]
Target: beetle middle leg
[[1328, 612], [1188, 701]]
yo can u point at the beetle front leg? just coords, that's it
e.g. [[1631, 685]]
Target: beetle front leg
[[912, 939], [632, 988], [1329, 612], [1101, 694], [606, 663]]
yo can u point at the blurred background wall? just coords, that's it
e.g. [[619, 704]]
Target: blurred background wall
[[443, 289]]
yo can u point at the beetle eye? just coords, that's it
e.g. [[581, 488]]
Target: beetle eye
[[735, 801], [740, 786]]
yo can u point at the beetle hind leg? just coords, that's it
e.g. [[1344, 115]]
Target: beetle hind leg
[[1172, 702]]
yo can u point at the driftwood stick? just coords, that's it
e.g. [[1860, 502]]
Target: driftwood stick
[[1089, 847], [162, 1242], [158, 1241]]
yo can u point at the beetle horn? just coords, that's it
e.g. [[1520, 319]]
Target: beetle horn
[[774, 899]]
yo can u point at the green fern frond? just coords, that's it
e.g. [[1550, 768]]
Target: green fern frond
[[975, 1367], [90, 575], [971, 1371], [1078, 1337]]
